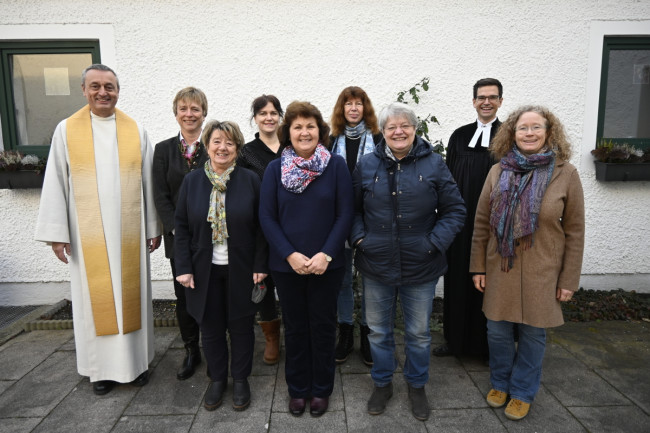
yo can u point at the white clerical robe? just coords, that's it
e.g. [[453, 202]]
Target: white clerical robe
[[120, 357]]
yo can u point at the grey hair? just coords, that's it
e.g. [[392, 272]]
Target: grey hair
[[397, 109], [98, 67]]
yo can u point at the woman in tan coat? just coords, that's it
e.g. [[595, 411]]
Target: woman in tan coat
[[526, 250]]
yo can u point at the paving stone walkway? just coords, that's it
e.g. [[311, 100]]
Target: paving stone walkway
[[596, 378]]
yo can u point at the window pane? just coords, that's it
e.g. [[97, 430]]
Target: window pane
[[627, 105], [47, 89]]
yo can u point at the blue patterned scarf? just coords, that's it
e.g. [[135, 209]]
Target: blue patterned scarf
[[366, 145], [297, 172], [517, 199]]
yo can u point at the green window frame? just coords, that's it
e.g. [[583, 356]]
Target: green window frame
[[8, 49], [612, 44]]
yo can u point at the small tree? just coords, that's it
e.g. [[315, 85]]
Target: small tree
[[424, 123]]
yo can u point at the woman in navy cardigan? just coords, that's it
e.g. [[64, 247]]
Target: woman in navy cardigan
[[220, 254], [306, 212]]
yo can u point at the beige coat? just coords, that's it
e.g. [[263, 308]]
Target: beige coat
[[527, 293]]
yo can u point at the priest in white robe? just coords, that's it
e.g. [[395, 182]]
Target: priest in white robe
[[98, 213]]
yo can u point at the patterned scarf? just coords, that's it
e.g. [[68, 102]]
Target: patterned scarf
[[298, 173], [217, 211], [516, 201], [367, 144]]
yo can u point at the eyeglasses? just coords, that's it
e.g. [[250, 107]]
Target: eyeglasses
[[492, 98], [350, 104], [534, 128], [393, 128]]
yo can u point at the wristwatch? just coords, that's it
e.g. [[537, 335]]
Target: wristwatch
[[328, 258]]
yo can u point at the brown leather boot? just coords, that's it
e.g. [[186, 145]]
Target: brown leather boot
[[271, 331]]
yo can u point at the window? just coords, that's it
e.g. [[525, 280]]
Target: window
[[624, 108], [40, 84]]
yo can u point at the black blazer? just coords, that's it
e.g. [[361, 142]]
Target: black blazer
[[247, 247], [169, 169]]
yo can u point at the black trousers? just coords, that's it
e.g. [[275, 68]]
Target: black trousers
[[267, 309], [214, 325], [186, 323], [309, 314]]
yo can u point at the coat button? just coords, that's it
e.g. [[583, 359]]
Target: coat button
[[393, 192]]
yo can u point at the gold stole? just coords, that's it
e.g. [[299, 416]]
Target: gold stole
[[81, 152]]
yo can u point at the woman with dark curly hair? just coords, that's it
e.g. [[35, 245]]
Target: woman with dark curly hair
[[306, 213], [354, 133], [526, 250]]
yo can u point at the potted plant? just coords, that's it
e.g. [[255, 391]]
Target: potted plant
[[20, 171], [616, 162]]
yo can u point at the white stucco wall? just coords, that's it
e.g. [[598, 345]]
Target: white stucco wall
[[543, 52]]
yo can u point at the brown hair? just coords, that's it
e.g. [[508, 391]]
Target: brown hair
[[556, 139], [261, 102], [306, 110], [231, 129], [191, 94], [338, 115]]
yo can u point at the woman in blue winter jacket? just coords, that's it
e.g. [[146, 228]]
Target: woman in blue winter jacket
[[407, 211]]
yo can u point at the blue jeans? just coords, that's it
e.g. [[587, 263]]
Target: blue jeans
[[416, 304], [345, 302], [517, 372]]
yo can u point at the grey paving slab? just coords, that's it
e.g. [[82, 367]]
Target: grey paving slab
[[547, 415], [626, 419], [454, 391], [226, 420], [18, 425], [166, 395], [38, 392], [23, 353], [4, 384], [158, 424], [574, 383], [626, 381], [259, 367], [396, 418], [464, 420], [281, 400], [163, 338], [254, 419], [606, 344], [71, 414], [330, 422]]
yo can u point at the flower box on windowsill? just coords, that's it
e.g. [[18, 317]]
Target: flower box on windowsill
[[620, 171], [21, 179]]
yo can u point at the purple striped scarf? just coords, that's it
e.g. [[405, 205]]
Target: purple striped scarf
[[516, 201]]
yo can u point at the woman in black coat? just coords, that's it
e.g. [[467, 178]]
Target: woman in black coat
[[220, 254], [172, 160]]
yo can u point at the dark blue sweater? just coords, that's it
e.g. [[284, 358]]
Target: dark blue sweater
[[317, 220]]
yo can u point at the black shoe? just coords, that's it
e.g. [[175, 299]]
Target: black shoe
[[366, 356], [419, 403], [318, 406], [345, 343], [379, 398], [297, 406], [442, 350], [214, 394], [241, 394], [141, 380], [191, 361], [102, 387]]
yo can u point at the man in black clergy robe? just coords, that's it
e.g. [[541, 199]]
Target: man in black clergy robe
[[469, 161]]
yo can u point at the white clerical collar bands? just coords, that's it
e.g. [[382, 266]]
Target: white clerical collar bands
[[484, 129]]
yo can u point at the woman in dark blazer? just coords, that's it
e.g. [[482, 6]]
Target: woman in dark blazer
[[172, 160], [220, 254]]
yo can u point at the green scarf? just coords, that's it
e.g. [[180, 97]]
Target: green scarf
[[217, 211]]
